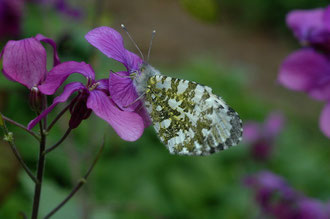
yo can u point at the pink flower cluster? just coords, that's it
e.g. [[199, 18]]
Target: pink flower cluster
[[24, 61]]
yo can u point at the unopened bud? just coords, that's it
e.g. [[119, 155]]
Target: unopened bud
[[79, 111], [35, 100]]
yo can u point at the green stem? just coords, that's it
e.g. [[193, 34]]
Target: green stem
[[40, 173], [10, 139], [58, 117], [21, 126], [59, 142]]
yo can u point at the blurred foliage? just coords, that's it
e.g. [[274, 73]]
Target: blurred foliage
[[265, 14], [255, 14], [206, 10]]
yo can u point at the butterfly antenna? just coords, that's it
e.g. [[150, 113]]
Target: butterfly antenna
[[129, 35], [150, 45]]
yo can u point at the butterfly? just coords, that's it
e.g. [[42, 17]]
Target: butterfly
[[188, 118]]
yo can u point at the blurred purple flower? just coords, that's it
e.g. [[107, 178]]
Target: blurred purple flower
[[276, 198], [261, 137], [94, 96], [309, 208], [308, 69], [10, 17], [61, 6], [25, 61], [121, 86], [311, 27]]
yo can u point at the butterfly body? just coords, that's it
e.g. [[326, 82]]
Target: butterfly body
[[188, 118]]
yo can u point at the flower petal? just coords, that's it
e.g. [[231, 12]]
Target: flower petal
[[24, 61], [128, 125], [60, 73], [311, 208], [274, 124], [103, 85], [303, 69], [306, 25], [141, 110], [68, 90], [326, 17], [322, 92], [325, 120], [51, 42], [110, 42], [122, 91]]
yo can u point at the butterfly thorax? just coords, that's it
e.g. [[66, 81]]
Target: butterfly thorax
[[141, 80]]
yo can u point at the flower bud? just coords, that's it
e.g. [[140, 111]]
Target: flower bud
[[79, 111], [35, 100]]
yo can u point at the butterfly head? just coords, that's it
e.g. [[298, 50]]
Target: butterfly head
[[140, 78]]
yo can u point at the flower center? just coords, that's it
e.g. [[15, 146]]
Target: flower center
[[93, 86]]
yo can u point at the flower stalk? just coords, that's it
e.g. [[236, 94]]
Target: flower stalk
[[40, 173], [59, 142], [32, 133], [9, 137]]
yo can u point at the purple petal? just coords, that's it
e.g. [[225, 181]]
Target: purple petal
[[51, 42], [303, 69], [68, 90], [141, 110], [128, 125], [310, 209], [110, 42], [325, 120], [274, 124], [251, 132], [307, 25], [103, 85], [326, 17], [322, 92], [122, 91], [60, 73], [24, 61]]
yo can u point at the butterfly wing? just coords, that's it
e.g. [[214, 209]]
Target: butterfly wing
[[189, 118]]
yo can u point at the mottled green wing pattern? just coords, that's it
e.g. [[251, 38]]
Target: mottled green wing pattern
[[189, 118]]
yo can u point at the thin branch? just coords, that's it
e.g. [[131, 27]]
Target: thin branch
[[21, 126], [10, 139], [57, 117], [40, 173], [81, 182], [59, 142]]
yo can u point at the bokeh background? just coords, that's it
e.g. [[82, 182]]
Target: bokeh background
[[235, 47]]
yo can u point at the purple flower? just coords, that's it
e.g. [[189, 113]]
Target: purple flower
[[10, 17], [308, 69], [24, 61], [94, 96], [61, 6], [276, 198], [311, 26], [309, 208], [261, 137], [121, 86], [273, 194]]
